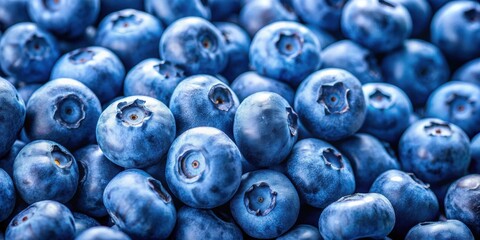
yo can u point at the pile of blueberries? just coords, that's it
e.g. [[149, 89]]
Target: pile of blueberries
[[239, 119]]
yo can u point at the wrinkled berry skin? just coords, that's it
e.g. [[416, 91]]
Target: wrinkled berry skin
[[320, 173], [379, 25], [322, 13], [134, 197], [265, 117], [131, 34], [45, 170], [135, 131], [474, 153], [12, 113], [441, 230], [42, 220], [203, 100], [102, 233], [67, 19], [456, 102], [12, 12], [60, 109], [83, 222], [435, 151], [154, 78], [204, 167], [6, 162], [353, 58], [286, 51], [387, 108], [368, 214], [7, 195], [28, 53], [412, 200], [302, 232], [195, 223], [251, 82], [461, 202], [171, 10], [330, 104], [195, 45], [266, 205], [417, 68], [96, 67], [469, 72], [96, 171], [368, 157], [421, 14], [455, 29]]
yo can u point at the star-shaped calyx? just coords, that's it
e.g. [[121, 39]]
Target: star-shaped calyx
[[334, 98]]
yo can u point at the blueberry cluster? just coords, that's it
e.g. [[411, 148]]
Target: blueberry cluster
[[240, 119]]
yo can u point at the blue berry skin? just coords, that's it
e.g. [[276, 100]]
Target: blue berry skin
[[455, 29], [474, 154], [441, 230], [203, 100], [110, 6], [266, 205], [420, 12], [379, 25], [320, 173], [135, 131], [456, 102], [368, 214], [28, 52], [60, 109], [435, 151], [134, 197], [45, 170], [237, 45], [251, 82], [325, 14], [195, 45], [171, 10], [95, 172], [221, 10], [83, 222], [154, 78], [469, 72], [67, 19], [418, 68], [6, 162], [13, 12], [302, 232], [195, 223], [461, 202], [7, 195], [387, 107], [131, 34], [102, 233], [413, 201], [12, 115], [203, 168], [255, 15], [286, 51], [368, 157], [353, 58], [261, 118], [42, 220], [96, 67], [324, 37], [330, 104]]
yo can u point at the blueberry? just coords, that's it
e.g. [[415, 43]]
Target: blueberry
[[96, 67], [12, 115], [302, 232], [138, 203], [286, 51], [330, 104], [255, 15], [461, 202], [265, 117], [42, 220], [83, 222], [266, 205], [64, 18], [322, 13], [28, 52], [171, 10], [379, 25], [474, 153], [13, 12], [7, 193], [60, 109], [195, 223], [195, 45], [367, 214], [435, 151], [420, 12], [131, 34], [441, 230], [469, 72], [412, 200], [102, 233], [203, 167], [45, 170]]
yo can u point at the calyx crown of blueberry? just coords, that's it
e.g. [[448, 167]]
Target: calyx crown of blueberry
[[134, 113], [221, 97], [169, 70], [255, 195], [333, 159], [125, 19], [334, 98], [418, 181], [191, 165], [437, 128], [459, 104], [292, 119], [36, 47], [158, 189], [69, 111], [380, 99], [81, 56], [60, 158], [289, 44]]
